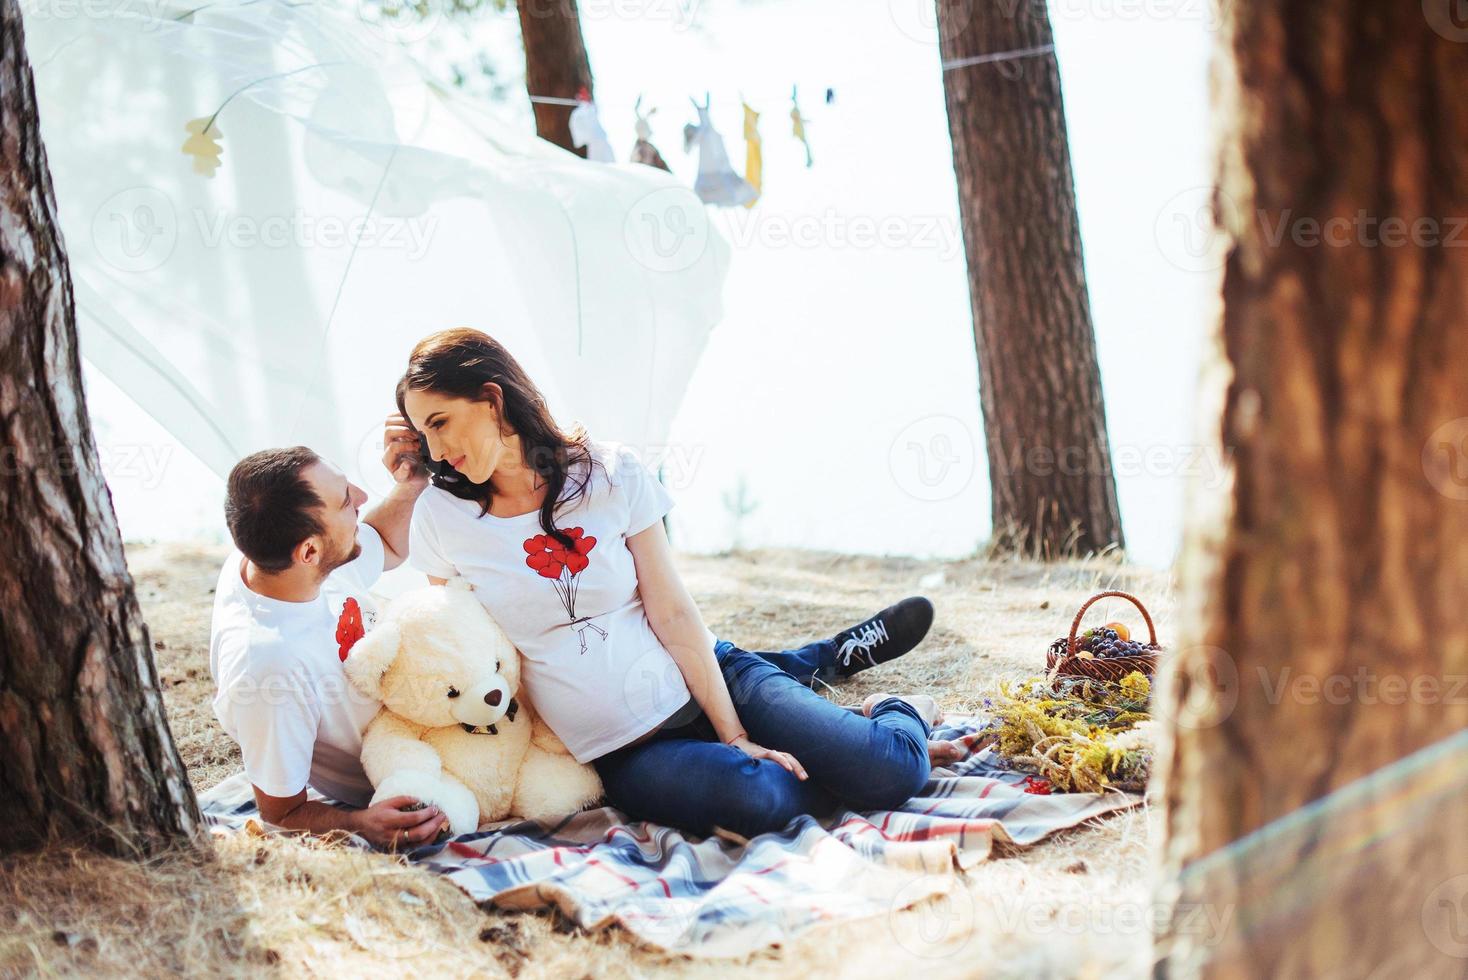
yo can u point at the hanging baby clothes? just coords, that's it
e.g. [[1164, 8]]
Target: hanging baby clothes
[[717, 182], [643, 151], [587, 131], [798, 124], [753, 155]]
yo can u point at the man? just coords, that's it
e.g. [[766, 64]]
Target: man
[[288, 605]]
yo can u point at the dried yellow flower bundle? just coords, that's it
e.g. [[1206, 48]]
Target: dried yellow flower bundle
[[1079, 735]]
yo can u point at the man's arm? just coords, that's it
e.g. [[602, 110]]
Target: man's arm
[[390, 517], [272, 712], [384, 824]]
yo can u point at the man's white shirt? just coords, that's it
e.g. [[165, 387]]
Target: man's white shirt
[[280, 691]]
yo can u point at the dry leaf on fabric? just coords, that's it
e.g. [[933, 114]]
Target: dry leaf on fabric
[[203, 145]]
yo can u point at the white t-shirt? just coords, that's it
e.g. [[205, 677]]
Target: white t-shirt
[[591, 664], [281, 692]]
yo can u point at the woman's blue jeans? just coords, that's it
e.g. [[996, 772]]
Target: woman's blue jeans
[[685, 777]]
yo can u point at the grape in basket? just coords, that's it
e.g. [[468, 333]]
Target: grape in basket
[[1106, 642]]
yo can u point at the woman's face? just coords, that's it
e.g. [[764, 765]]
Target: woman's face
[[461, 432]]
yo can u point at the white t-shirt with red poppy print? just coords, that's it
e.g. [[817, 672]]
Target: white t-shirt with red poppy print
[[592, 665], [281, 692]]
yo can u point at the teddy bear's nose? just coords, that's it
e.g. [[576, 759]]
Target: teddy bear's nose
[[493, 698]]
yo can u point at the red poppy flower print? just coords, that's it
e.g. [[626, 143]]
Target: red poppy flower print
[[349, 627], [562, 564]]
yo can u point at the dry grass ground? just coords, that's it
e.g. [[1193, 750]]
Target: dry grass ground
[[1075, 905]]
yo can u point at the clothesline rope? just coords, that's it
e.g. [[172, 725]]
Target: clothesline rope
[[984, 59], [978, 59]]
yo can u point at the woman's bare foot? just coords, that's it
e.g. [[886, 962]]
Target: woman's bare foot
[[954, 750], [944, 753], [926, 707], [940, 753]]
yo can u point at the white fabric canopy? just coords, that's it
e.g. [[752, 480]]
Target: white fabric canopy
[[357, 208]]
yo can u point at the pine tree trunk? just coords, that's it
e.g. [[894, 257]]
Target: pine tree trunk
[[1039, 383], [556, 64], [1328, 639], [85, 751]]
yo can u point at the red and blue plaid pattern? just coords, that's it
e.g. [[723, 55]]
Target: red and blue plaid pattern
[[724, 896]]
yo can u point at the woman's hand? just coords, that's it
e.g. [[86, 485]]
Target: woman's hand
[[401, 453], [785, 759]]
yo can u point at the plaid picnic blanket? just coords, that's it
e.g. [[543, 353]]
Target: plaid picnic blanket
[[725, 897]]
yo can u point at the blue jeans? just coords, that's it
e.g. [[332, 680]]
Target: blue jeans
[[685, 777]]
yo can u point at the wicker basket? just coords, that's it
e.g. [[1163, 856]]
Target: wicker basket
[[1110, 669]]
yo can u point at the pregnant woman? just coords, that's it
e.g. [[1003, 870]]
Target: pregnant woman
[[562, 539]]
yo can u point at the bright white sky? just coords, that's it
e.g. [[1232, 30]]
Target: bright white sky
[[841, 385]]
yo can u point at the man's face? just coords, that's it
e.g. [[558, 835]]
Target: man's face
[[341, 501]]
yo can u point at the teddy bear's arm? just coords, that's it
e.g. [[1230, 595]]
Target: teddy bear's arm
[[543, 738], [392, 743]]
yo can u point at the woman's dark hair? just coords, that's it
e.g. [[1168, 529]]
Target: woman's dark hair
[[458, 363]]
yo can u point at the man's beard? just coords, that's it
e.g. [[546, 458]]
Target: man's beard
[[337, 561]]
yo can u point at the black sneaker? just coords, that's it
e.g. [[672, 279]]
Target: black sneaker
[[886, 636]]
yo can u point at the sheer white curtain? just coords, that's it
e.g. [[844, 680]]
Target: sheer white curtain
[[357, 208]]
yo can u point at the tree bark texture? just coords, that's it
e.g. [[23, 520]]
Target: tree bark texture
[[1325, 635], [85, 751], [1054, 491], [556, 64]]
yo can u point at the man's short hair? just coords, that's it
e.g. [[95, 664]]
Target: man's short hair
[[270, 507]]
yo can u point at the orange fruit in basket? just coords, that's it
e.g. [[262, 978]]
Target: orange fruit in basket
[[1122, 633]]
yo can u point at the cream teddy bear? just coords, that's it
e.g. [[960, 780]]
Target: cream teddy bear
[[451, 732]]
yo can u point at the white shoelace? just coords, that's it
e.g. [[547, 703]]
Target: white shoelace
[[869, 636]]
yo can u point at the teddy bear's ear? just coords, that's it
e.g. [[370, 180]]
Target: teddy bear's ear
[[370, 658]]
